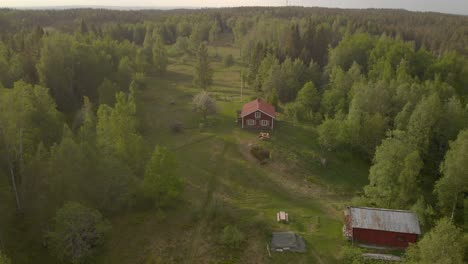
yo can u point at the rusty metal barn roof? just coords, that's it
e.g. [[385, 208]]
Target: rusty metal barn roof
[[384, 219]]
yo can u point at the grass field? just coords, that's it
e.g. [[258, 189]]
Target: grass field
[[226, 185]]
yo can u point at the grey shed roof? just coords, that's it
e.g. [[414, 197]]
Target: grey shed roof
[[384, 219], [287, 241]]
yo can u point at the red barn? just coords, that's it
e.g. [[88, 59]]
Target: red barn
[[258, 114], [381, 227]]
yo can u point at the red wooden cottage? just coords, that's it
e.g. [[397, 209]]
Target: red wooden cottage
[[258, 114], [381, 227]]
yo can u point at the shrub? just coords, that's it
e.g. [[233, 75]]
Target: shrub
[[350, 255], [260, 153], [177, 127], [232, 237], [77, 232], [4, 259], [228, 60], [185, 59]]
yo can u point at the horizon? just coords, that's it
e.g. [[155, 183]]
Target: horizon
[[455, 7]]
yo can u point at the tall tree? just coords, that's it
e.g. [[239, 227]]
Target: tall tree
[[215, 31], [292, 42], [143, 60], [56, 69], [160, 59], [422, 122], [83, 27], [443, 244], [162, 183], [309, 97], [454, 181], [394, 175], [28, 116], [203, 73], [117, 132]]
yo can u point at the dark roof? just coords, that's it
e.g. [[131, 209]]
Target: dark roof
[[384, 219], [287, 241], [258, 104]]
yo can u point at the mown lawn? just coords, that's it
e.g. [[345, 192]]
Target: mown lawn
[[225, 185]]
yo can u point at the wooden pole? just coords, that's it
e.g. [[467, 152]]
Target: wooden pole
[[242, 85]]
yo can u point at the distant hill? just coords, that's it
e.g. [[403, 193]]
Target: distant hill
[[64, 7]]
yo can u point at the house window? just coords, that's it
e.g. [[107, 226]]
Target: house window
[[258, 115], [264, 122], [250, 122]]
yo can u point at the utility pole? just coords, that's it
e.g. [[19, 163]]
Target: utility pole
[[242, 84]]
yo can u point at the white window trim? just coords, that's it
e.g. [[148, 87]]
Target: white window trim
[[258, 115], [264, 123], [251, 122]]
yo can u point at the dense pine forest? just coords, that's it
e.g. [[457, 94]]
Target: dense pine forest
[[118, 141]]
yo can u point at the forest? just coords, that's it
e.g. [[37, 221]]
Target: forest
[[118, 142]]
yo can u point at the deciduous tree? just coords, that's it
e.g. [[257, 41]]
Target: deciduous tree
[[160, 59], [443, 244], [203, 73], [77, 232], [162, 183], [454, 168], [204, 104]]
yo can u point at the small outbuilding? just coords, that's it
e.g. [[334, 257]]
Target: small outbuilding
[[258, 114], [381, 227], [287, 241]]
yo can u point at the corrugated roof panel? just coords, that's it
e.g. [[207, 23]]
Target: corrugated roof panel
[[385, 219]]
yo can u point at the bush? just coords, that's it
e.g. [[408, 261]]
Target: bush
[[260, 153], [77, 232], [183, 45], [177, 127], [351, 255], [228, 60], [185, 59], [232, 237], [4, 259]]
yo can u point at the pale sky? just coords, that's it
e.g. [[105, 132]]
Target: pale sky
[[444, 6]]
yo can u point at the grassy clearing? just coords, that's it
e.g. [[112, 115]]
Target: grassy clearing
[[225, 185]]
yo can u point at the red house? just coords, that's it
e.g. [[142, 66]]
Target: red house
[[258, 114], [381, 227]]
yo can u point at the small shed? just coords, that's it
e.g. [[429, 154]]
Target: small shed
[[287, 241], [381, 227], [258, 114]]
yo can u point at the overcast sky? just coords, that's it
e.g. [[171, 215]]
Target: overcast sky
[[445, 6]]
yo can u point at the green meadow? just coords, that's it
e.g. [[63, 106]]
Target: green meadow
[[225, 184]]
